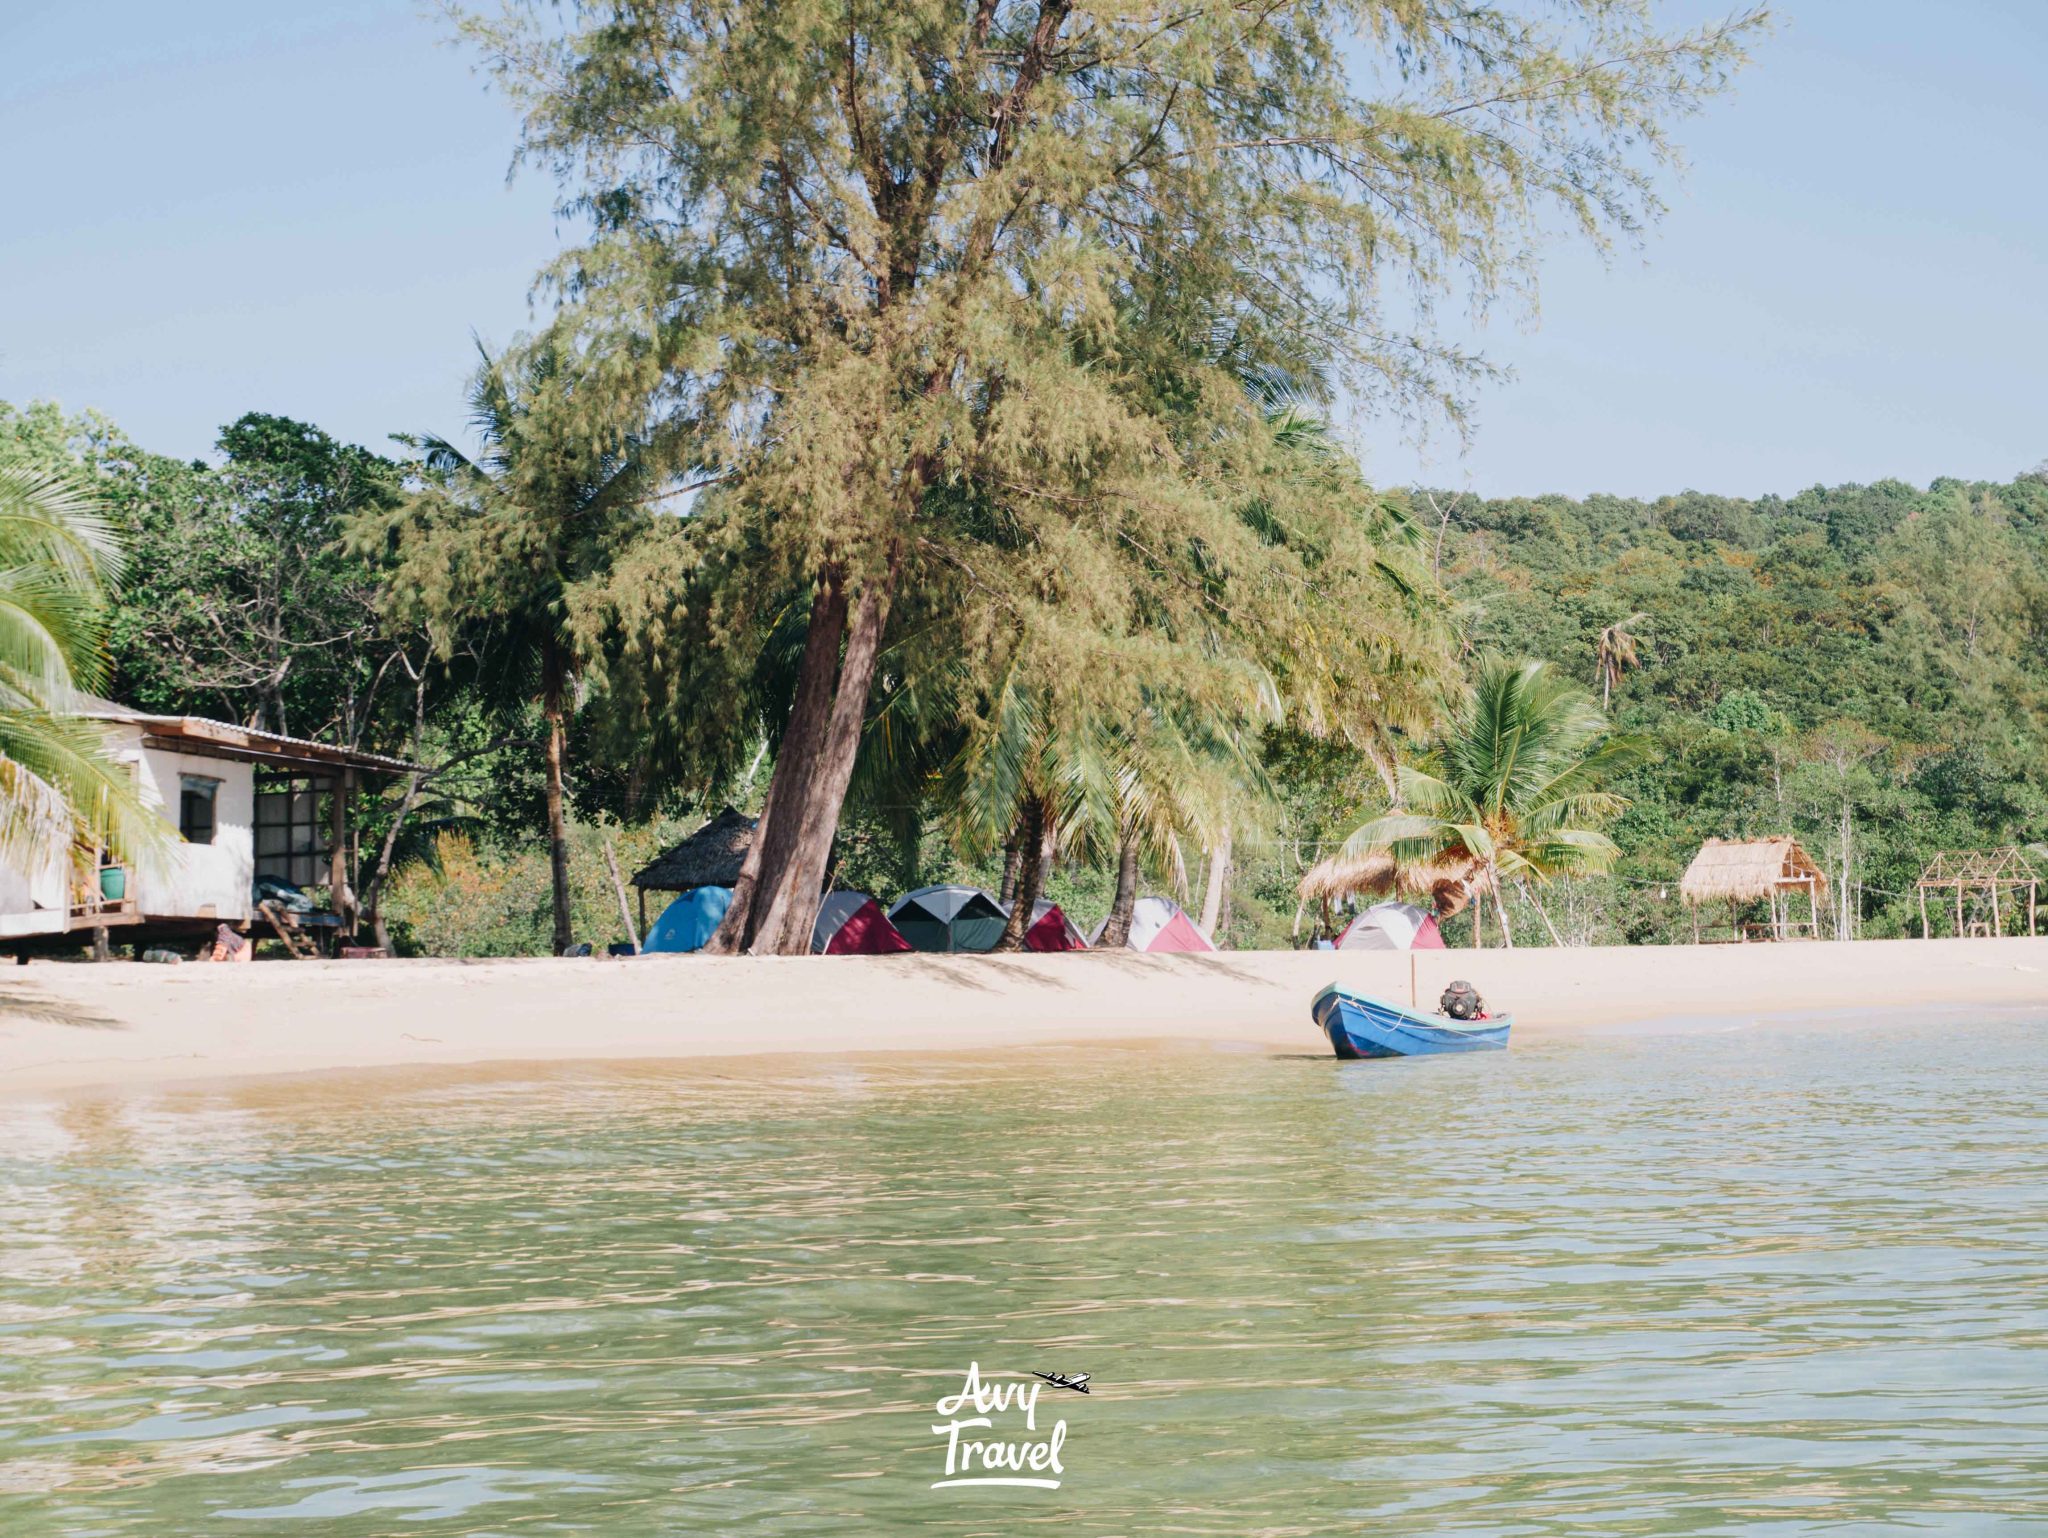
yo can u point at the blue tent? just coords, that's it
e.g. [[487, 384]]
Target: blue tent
[[689, 921]]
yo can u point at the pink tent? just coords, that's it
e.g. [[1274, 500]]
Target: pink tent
[[1052, 930], [1392, 926], [1158, 925], [853, 924]]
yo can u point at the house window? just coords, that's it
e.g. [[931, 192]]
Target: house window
[[291, 828], [196, 795]]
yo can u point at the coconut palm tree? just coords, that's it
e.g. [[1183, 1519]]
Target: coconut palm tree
[[485, 554], [1521, 796], [1617, 650], [58, 562]]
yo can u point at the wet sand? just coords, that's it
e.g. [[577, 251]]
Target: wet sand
[[68, 1026]]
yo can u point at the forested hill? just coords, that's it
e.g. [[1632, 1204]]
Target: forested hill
[[1864, 658]]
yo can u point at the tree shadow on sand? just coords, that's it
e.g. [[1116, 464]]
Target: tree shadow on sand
[[18, 1003]]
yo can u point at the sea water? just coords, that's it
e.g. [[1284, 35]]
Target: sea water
[[1734, 1279]]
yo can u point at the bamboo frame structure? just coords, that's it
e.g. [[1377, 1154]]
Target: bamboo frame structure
[[1991, 872]]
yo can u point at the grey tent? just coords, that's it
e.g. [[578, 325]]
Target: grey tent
[[949, 918]]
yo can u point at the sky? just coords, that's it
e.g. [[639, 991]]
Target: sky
[[231, 205]]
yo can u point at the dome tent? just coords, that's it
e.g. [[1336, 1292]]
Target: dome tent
[[1392, 926], [690, 921], [1158, 925], [853, 924], [949, 918], [1052, 930]]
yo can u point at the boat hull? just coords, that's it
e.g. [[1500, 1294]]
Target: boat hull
[[1360, 1025]]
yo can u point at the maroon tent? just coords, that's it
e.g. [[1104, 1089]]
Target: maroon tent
[[1052, 930], [853, 924]]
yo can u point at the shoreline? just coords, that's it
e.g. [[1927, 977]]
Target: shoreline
[[66, 1027]]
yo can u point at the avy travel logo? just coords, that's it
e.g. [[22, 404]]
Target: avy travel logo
[[1001, 1456]]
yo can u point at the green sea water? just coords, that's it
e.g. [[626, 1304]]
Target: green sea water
[[1746, 1279]]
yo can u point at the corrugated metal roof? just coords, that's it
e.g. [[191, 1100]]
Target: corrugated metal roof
[[204, 731]]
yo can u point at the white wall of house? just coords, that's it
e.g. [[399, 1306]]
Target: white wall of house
[[35, 892], [184, 880], [197, 880]]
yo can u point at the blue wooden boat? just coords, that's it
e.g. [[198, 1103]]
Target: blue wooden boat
[[1360, 1025]]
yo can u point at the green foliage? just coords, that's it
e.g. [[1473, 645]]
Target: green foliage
[[59, 562], [468, 898], [987, 320], [241, 602], [1876, 650], [1522, 793]]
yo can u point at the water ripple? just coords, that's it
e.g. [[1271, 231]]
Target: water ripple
[[1756, 1282]]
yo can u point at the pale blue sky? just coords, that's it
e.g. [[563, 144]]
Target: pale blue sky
[[228, 205]]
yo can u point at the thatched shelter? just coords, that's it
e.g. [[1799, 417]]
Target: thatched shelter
[[1770, 870], [1447, 884], [711, 856]]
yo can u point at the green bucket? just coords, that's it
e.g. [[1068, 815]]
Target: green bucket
[[113, 883]]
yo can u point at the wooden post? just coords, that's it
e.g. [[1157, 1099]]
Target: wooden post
[[1959, 910], [100, 949], [1997, 918], [1695, 923], [1735, 921], [1813, 904], [643, 910], [2031, 885], [1925, 932]]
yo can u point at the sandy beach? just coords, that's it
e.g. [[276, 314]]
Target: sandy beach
[[67, 1026]]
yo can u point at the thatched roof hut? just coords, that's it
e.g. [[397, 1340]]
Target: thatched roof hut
[[711, 856], [1448, 884], [1739, 870]]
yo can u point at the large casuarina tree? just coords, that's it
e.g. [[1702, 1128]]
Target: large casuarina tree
[[889, 270]]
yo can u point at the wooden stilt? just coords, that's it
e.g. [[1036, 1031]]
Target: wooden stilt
[[1997, 918], [1959, 910], [1925, 932], [2031, 885]]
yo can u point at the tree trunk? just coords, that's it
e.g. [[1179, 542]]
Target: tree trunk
[[341, 896], [1013, 862], [1844, 930], [1031, 877], [785, 908], [373, 888], [809, 713], [1219, 875], [1555, 938], [909, 851], [1500, 910], [553, 686], [775, 900], [1116, 933]]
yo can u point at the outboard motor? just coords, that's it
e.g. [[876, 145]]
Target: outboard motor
[[1461, 1001]]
